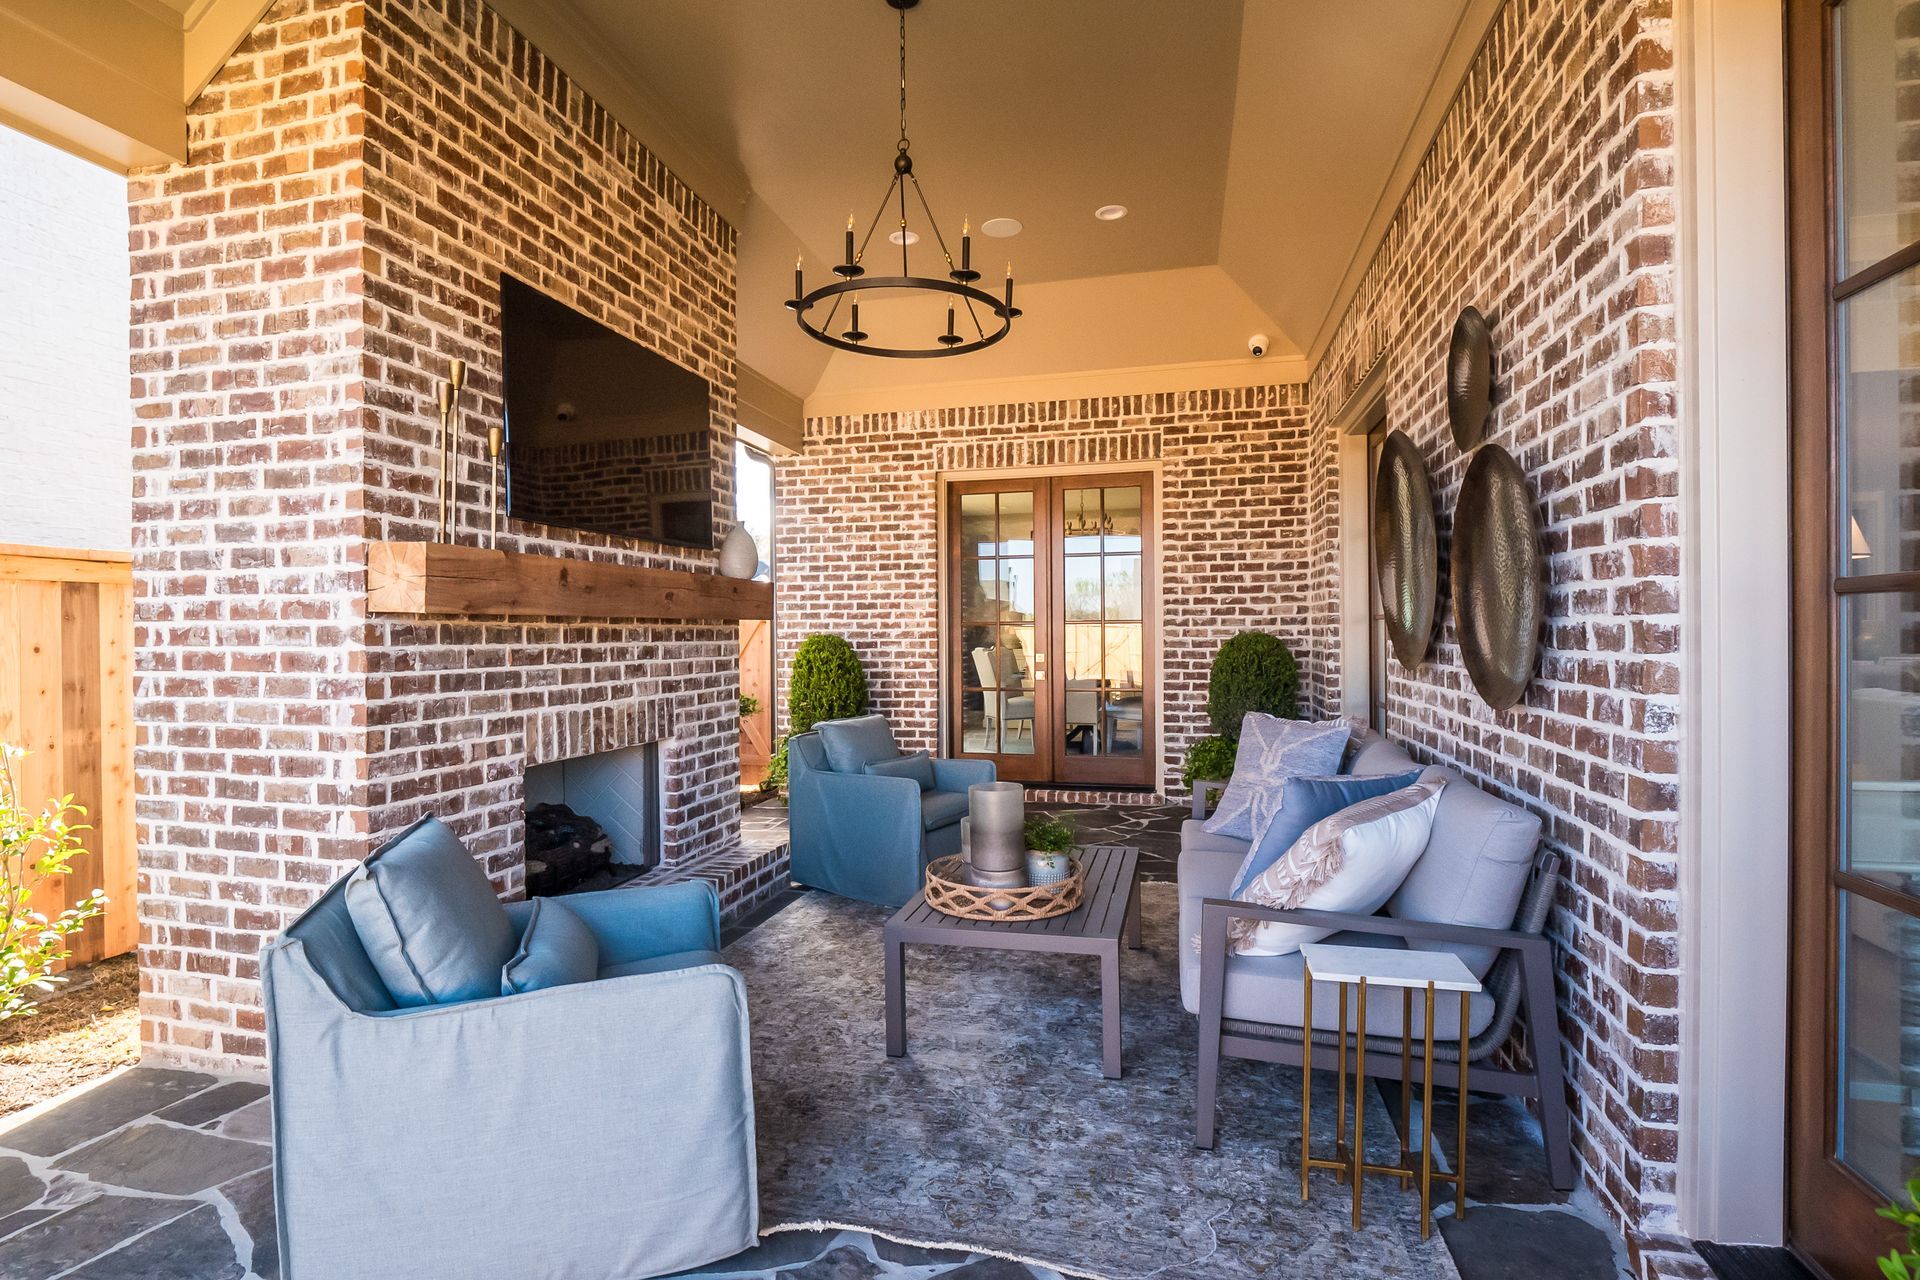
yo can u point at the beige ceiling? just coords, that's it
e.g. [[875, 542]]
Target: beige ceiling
[[1258, 145], [110, 79]]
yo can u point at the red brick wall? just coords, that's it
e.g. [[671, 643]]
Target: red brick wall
[[358, 176], [1547, 201], [858, 553]]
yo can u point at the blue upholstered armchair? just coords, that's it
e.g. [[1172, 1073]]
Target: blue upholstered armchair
[[864, 820], [594, 1123]]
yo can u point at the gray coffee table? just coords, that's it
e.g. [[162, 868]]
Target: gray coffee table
[[1111, 905]]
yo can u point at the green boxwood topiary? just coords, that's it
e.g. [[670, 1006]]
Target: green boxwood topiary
[[1209, 758], [827, 683], [1252, 672]]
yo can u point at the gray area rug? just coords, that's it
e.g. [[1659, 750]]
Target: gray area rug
[[998, 1132]]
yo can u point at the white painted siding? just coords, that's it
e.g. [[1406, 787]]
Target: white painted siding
[[66, 457]]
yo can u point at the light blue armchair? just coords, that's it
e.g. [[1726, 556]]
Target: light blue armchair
[[599, 1128], [864, 820]]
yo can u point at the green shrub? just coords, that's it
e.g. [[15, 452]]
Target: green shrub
[[1904, 1264], [749, 705], [35, 847], [827, 683], [776, 779], [1048, 835], [1252, 672], [1210, 758]]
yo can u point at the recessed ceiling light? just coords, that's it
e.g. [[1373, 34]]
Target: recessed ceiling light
[[1001, 228], [904, 237], [1110, 212]]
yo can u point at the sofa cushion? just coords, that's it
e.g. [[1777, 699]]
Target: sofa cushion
[[1271, 751], [556, 950], [942, 808], [1351, 862], [1270, 990], [1475, 868], [1194, 835], [1305, 801], [429, 920], [662, 964], [854, 744], [917, 766], [1378, 755]]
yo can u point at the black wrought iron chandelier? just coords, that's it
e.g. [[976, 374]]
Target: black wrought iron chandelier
[[987, 319]]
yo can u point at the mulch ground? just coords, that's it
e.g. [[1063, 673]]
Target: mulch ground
[[90, 1028]]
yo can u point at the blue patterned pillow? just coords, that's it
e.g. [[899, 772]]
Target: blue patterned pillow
[[1271, 751], [1305, 801]]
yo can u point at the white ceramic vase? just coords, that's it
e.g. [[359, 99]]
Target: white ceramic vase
[[739, 557]]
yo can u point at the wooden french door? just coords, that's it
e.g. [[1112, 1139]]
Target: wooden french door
[[1854, 192], [1050, 617]]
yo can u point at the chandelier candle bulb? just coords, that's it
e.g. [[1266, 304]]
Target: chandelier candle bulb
[[799, 286], [966, 247], [849, 239]]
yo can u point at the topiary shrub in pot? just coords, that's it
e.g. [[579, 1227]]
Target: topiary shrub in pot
[[1252, 672], [827, 683]]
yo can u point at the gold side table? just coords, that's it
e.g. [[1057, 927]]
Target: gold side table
[[1356, 969]]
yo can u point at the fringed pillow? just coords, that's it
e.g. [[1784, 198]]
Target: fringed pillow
[[1271, 751]]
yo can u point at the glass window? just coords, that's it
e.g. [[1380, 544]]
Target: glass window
[[1880, 1062], [1877, 48], [1878, 338]]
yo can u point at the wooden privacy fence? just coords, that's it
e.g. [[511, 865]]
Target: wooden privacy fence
[[756, 681], [66, 694]]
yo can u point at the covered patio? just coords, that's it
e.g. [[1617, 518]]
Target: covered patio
[[1263, 671]]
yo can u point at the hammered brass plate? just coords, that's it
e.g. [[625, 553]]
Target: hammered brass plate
[[1469, 379], [1499, 577], [1406, 548]]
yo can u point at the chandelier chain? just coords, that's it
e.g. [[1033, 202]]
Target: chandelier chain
[[957, 282]]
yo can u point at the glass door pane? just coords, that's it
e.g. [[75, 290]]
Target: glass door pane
[[1875, 79], [1103, 543], [997, 606], [1879, 1120], [1878, 331]]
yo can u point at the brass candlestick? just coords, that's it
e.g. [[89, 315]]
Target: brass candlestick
[[449, 398], [496, 440]]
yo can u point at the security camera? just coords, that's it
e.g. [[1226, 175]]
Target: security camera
[[1258, 345], [564, 411]]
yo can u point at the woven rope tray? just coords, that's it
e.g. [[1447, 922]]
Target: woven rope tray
[[949, 893]]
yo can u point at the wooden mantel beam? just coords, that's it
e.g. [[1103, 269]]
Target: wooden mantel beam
[[439, 578]]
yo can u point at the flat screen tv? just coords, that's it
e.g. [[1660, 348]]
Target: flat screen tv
[[602, 434]]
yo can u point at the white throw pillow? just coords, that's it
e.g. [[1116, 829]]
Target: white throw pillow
[[1351, 862], [1271, 751]]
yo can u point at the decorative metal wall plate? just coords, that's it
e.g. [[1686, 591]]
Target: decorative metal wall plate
[[1499, 577], [1406, 549], [1469, 379]]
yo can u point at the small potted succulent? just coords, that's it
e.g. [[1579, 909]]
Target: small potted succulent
[[1049, 849]]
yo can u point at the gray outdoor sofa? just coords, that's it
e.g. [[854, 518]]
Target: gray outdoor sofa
[[1482, 889]]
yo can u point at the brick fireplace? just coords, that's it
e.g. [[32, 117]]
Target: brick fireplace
[[359, 176]]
